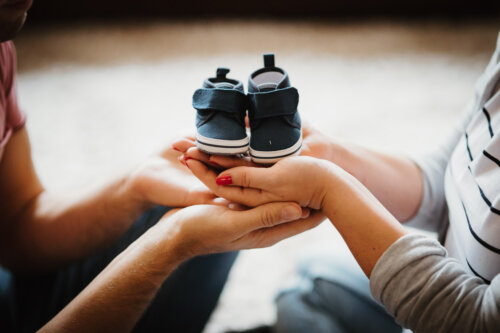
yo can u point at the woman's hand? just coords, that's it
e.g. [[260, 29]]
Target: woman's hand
[[304, 180], [374, 169], [318, 145], [204, 229]]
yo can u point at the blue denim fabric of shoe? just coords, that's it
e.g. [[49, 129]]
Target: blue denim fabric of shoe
[[220, 120], [272, 110]]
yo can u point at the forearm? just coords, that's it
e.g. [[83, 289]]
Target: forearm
[[395, 180], [55, 228], [117, 297], [365, 225]]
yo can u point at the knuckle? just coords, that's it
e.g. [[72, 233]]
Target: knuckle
[[268, 217], [245, 180]]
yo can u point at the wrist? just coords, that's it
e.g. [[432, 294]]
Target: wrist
[[170, 237], [343, 154], [338, 187], [163, 248], [325, 183]]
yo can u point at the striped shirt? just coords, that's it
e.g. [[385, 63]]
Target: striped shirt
[[426, 287], [467, 168]]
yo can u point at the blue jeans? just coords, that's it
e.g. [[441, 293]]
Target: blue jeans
[[330, 295], [183, 304]]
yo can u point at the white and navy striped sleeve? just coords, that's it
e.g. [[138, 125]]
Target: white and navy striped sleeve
[[426, 291]]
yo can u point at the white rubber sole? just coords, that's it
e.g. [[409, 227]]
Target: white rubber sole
[[222, 147], [269, 157]]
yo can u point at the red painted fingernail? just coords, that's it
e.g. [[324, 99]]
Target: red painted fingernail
[[224, 180]]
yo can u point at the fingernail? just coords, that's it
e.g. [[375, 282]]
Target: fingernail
[[224, 180], [290, 213]]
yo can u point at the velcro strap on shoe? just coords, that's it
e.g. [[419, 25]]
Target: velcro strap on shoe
[[280, 102], [226, 100]]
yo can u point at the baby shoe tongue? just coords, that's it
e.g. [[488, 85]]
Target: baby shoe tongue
[[224, 85], [267, 86]]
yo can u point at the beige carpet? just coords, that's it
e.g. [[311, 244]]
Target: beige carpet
[[101, 97]]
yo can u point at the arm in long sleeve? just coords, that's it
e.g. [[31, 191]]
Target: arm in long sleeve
[[428, 292]]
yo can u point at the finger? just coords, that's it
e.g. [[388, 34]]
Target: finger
[[227, 162], [236, 206], [270, 236], [265, 216], [306, 212], [218, 201], [247, 196], [197, 154], [198, 197], [248, 177], [183, 145]]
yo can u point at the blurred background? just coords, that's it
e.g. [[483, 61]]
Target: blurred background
[[106, 84]]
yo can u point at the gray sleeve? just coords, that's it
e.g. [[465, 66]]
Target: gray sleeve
[[433, 210], [428, 292]]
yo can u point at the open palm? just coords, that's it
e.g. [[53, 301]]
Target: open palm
[[163, 180]]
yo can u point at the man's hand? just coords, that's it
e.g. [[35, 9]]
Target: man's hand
[[116, 298], [204, 229], [163, 180], [43, 229]]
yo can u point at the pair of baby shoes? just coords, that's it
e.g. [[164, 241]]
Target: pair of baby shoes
[[275, 126]]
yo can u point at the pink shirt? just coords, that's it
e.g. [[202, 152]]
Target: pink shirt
[[11, 117]]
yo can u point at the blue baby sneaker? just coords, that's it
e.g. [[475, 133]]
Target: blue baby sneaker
[[220, 120], [272, 110]]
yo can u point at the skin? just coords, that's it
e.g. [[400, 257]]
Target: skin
[[347, 183], [365, 224], [41, 230], [116, 298], [372, 168]]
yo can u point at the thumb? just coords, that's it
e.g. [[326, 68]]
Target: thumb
[[271, 214], [259, 178]]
